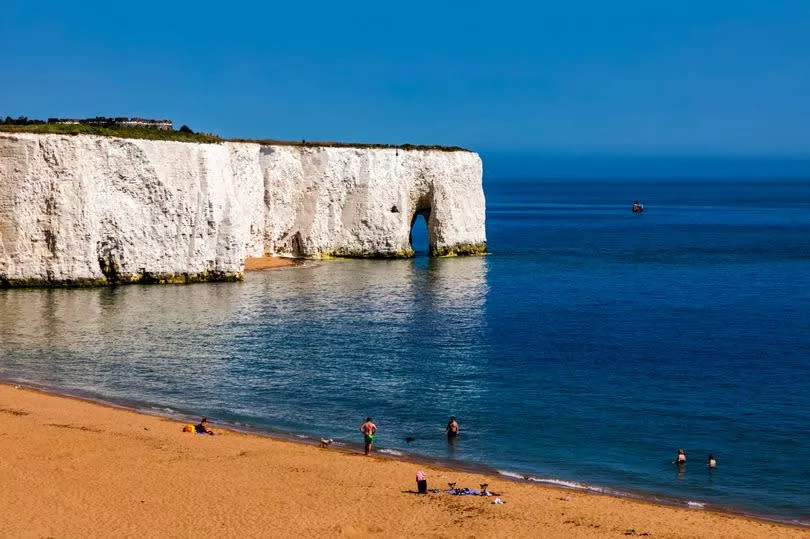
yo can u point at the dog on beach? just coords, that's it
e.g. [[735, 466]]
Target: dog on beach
[[326, 442]]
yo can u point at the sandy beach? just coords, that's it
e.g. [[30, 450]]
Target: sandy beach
[[73, 468], [268, 262]]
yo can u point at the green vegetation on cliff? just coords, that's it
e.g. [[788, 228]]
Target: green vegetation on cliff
[[184, 134], [119, 132], [137, 278], [332, 144], [462, 249]]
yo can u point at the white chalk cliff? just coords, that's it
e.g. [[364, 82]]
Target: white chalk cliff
[[93, 210]]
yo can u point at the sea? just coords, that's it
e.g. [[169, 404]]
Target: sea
[[584, 350]]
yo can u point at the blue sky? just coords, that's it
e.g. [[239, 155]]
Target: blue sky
[[572, 78]]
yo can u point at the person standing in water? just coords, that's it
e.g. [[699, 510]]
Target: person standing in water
[[369, 429], [681, 458], [452, 428], [711, 462]]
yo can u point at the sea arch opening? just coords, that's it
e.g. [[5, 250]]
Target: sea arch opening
[[419, 236]]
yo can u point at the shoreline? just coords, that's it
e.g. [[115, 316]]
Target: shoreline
[[596, 495]]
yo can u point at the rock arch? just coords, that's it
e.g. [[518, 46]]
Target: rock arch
[[425, 213]]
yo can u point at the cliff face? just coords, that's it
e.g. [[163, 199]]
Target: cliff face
[[95, 210]]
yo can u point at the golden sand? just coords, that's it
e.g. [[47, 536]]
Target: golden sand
[[72, 468], [268, 262]]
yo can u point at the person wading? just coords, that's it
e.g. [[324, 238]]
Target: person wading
[[452, 428], [369, 429]]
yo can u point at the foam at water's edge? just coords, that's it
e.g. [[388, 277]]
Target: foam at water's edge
[[692, 504], [585, 487], [512, 475]]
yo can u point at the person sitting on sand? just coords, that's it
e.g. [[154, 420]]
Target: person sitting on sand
[[711, 462], [681, 458], [452, 428], [202, 428], [368, 429]]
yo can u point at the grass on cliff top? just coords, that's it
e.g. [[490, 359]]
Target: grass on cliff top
[[120, 132], [332, 144], [207, 138]]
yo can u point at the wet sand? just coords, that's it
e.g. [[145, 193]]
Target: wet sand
[[72, 468], [268, 262]]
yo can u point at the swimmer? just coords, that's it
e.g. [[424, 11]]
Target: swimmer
[[681, 458], [452, 429], [711, 462]]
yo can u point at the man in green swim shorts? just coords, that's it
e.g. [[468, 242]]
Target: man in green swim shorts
[[368, 429]]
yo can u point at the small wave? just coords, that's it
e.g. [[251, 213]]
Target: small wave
[[513, 475], [573, 485], [560, 483], [556, 482], [153, 409], [302, 436], [609, 491], [393, 452]]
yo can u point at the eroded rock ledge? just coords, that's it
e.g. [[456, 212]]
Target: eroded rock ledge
[[88, 210]]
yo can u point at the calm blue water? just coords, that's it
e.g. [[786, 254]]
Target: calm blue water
[[589, 346]]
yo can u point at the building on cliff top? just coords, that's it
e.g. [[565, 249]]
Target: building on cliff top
[[103, 121]]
